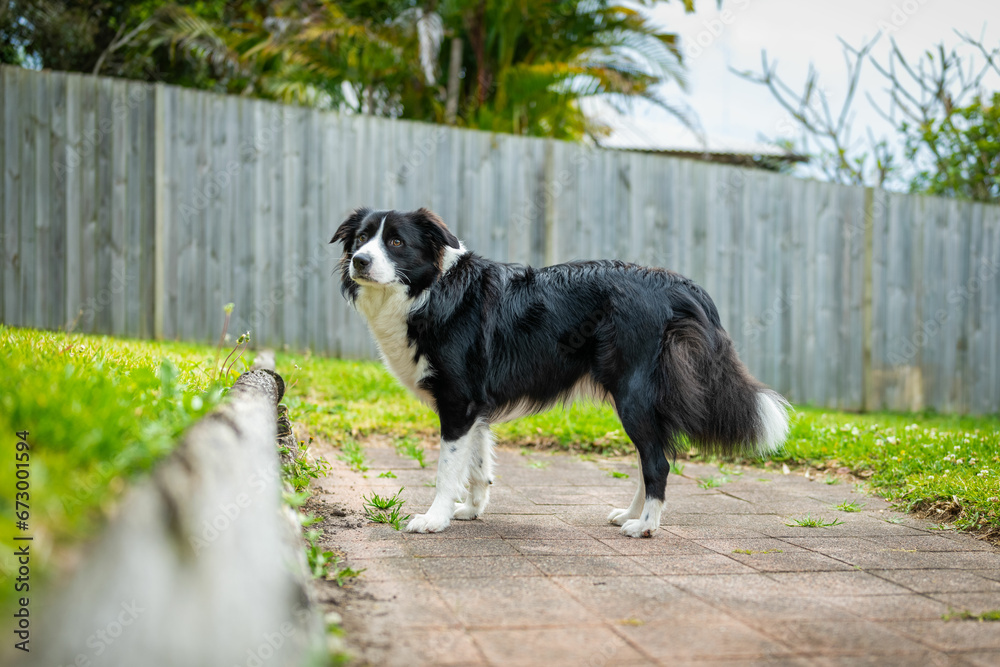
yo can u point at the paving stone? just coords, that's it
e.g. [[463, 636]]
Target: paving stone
[[951, 635], [891, 607], [700, 564], [704, 640], [595, 645], [664, 544], [976, 603], [796, 561], [538, 526], [429, 546], [511, 601], [940, 581], [576, 547], [980, 658], [434, 647], [588, 565], [835, 583], [387, 569], [859, 637], [763, 611], [905, 559], [478, 566], [622, 599]]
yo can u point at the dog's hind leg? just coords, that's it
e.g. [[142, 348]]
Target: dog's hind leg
[[480, 473], [621, 515], [640, 422]]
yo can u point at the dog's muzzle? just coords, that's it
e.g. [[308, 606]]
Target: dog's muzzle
[[360, 265]]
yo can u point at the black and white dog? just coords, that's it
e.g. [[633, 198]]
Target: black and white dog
[[483, 342]]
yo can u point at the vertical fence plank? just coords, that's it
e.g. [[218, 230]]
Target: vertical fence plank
[[28, 199], [120, 168], [55, 263], [12, 193]]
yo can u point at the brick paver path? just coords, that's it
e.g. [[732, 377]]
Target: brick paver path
[[541, 579]]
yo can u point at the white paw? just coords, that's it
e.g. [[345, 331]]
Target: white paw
[[619, 516], [466, 512], [638, 528], [427, 523]]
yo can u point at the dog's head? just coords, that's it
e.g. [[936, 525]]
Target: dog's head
[[393, 248]]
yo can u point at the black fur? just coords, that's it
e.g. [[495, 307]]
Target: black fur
[[502, 335]]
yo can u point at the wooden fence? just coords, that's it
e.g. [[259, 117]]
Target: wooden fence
[[140, 210]]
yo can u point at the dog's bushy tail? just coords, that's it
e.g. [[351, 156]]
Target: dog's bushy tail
[[709, 394]]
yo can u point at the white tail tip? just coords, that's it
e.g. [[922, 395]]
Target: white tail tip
[[773, 411]]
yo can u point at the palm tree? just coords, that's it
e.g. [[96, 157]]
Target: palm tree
[[517, 66]]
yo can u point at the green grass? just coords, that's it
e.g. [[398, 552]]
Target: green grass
[[992, 615], [919, 461], [302, 470], [99, 412], [712, 482], [808, 521], [410, 447], [353, 455], [849, 506], [618, 475], [385, 509]]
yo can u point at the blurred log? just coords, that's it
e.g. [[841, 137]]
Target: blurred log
[[202, 565]]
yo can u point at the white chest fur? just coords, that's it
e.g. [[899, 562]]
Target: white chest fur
[[386, 309]]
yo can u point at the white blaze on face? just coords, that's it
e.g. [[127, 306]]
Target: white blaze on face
[[381, 270]]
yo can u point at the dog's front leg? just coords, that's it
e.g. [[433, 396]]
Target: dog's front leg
[[452, 474]]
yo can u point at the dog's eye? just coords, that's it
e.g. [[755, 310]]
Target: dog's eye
[[395, 243], [362, 238]]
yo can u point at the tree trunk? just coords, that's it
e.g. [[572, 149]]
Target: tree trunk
[[454, 69]]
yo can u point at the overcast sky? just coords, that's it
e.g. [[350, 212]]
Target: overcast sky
[[795, 33]]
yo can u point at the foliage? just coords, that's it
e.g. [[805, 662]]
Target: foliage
[[947, 122], [964, 151], [100, 412], [385, 509], [809, 521], [300, 470], [849, 506], [410, 447], [518, 67]]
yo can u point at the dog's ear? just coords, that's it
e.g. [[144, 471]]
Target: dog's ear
[[350, 227], [438, 230]]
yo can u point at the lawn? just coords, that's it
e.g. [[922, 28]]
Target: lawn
[[921, 461], [99, 412]]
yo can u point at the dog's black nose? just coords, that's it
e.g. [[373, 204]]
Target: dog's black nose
[[361, 261]]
